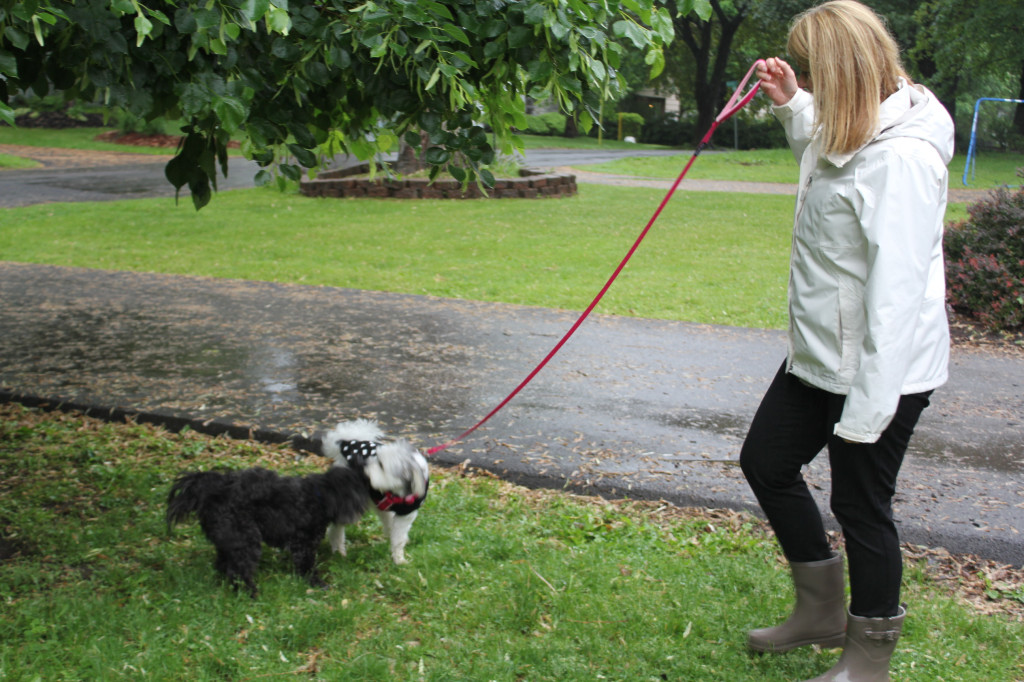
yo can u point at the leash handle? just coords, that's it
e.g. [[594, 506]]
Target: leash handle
[[738, 101], [735, 103]]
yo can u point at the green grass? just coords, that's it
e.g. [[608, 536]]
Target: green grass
[[778, 165], [707, 259], [70, 138], [582, 142], [9, 161], [767, 165], [504, 584]]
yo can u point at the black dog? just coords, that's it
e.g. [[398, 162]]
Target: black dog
[[240, 510]]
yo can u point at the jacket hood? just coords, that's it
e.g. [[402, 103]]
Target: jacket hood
[[912, 111]]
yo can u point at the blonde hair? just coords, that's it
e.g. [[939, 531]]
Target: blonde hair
[[853, 63]]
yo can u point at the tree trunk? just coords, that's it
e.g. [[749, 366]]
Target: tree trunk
[[572, 128], [408, 161], [1018, 115], [699, 37]]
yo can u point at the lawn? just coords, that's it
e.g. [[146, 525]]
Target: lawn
[[992, 169], [69, 138], [505, 583], [707, 259]]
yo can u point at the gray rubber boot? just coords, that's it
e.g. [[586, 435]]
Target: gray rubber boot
[[867, 650], [819, 616]]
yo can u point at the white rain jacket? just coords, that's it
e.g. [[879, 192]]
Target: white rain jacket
[[867, 309]]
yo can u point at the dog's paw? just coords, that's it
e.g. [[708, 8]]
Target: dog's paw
[[399, 559]]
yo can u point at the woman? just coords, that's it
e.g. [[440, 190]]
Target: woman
[[868, 336]]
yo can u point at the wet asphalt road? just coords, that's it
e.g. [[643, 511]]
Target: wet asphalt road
[[641, 408]]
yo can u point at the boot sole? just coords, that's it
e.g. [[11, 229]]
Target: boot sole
[[831, 642]]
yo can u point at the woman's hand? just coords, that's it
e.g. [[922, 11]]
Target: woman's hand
[[778, 80]]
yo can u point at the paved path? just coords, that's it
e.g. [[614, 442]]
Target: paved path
[[642, 408]]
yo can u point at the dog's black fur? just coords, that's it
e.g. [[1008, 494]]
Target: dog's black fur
[[240, 510]]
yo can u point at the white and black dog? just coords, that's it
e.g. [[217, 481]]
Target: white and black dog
[[397, 474], [240, 510]]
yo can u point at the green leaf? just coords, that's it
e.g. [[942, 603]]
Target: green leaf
[[457, 33], [200, 189], [8, 64], [465, 58], [185, 21], [487, 178], [642, 10], [231, 113], [493, 49], [122, 6], [17, 37], [539, 71], [291, 171], [207, 164], [534, 14], [656, 60], [519, 36], [412, 138], [661, 24], [177, 171], [6, 114], [430, 122], [304, 156], [143, 27], [159, 16], [438, 8], [207, 19], [302, 136], [702, 8], [628, 29], [254, 10], [437, 156], [278, 21]]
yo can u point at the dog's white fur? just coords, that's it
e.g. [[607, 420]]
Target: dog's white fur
[[398, 467]]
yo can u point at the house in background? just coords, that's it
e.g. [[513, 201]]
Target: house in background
[[653, 104]]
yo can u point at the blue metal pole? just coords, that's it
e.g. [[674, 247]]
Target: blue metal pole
[[971, 153]]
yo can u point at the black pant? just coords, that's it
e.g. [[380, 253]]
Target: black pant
[[792, 425]]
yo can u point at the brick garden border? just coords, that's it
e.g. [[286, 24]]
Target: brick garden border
[[532, 184]]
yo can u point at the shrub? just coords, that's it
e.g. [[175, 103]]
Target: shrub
[[985, 261], [555, 122], [756, 130], [536, 125]]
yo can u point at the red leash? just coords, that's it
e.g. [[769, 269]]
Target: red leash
[[735, 103]]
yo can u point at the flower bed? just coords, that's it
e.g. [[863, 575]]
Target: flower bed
[[342, 183]]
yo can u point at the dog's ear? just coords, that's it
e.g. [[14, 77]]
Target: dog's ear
[[399, 469]]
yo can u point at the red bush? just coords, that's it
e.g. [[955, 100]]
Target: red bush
[[985, 261]]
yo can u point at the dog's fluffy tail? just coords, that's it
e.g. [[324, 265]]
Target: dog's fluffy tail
[[358, 430], [190, 492]]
